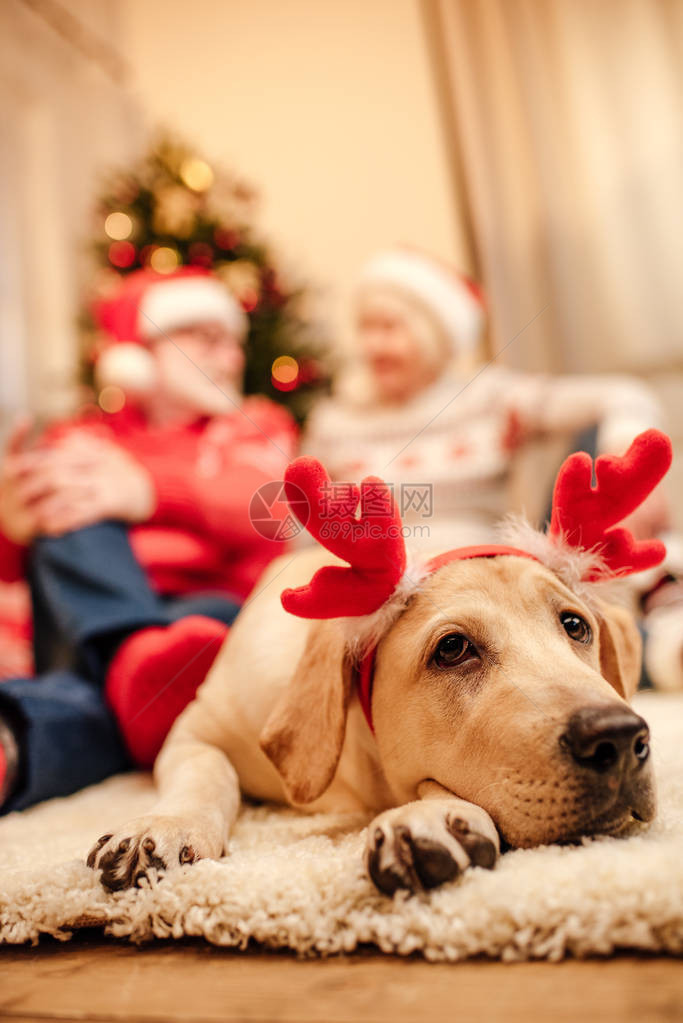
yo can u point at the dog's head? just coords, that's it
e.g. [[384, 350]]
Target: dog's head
[[501, 678], [502, 685], [498, 683]]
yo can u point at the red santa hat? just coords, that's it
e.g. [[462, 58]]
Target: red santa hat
[[148, 305], [450, 298]]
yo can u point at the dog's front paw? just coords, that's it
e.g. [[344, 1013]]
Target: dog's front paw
[[151, 844], [422, 845]]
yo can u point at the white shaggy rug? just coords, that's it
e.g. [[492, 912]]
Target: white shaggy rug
[[297, 882]]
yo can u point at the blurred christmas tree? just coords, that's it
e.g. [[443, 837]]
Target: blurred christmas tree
[[173, 209]]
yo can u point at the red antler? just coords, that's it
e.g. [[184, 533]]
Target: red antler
[[583, 514], [372, 543]]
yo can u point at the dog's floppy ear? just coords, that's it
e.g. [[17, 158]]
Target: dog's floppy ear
[[621, 649], [304, 734]]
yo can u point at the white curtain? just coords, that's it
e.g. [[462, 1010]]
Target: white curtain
[[567, 120], [65, 117]]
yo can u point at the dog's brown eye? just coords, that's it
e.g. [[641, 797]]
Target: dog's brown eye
[[576, 627], [452, 650]]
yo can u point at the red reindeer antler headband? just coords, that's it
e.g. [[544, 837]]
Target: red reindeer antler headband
[[587, 517], [371, 543], [584, 517]]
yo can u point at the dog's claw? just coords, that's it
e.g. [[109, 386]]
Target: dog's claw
[[96, 848]]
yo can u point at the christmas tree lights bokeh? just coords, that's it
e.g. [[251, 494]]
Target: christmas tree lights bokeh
[[173, 208]]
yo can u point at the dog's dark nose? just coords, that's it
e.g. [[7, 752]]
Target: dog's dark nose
[[607, 739]]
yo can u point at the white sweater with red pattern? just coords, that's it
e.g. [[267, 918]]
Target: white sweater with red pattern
[[460, 437]]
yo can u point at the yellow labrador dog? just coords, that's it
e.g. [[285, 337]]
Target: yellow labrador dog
[[498, 710]]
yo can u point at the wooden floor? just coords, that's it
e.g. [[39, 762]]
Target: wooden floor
[[96, 979]]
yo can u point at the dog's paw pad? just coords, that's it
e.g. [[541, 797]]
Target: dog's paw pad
[[480, 849], [434, 864], [388, 873], [397, 859]]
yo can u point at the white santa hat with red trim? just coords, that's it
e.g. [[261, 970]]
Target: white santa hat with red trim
[[454, 301], [148, 305]]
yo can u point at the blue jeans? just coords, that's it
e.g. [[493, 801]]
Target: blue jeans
[[88, 593]]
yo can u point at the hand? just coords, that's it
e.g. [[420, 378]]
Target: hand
[[76, 482], [18, 515], [84, 479]]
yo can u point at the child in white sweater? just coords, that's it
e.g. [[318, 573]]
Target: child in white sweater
[[417, 409]]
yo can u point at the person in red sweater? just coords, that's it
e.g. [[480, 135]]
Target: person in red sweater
[[133, 531]]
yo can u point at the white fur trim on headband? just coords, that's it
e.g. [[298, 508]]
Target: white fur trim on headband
[[365, 632], [186, 301], [450, 299], [572, 565], [569, 564]]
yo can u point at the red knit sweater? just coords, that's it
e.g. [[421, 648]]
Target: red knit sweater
[[199, 536]]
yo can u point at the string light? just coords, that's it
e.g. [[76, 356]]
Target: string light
[[201, 254], [284, 373], [196, 174], [249, 300], [118, 226], [111, 399], [225, 239], [164, 260], [122, 254]]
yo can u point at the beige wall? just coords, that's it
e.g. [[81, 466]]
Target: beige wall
[[327, 106]]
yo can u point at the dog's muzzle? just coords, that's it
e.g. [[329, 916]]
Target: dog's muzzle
[[610, 745]]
